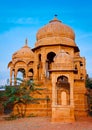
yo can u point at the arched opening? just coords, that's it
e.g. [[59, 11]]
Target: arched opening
[[63, 90], [21, 73], [30, 74], [76, 67], [50, 57], [81, 64], [62, 79], [39, 57]]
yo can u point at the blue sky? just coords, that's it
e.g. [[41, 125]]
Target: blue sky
[[21, 19]]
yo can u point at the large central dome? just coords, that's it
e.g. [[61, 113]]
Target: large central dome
[[55, 32], [55, 28]]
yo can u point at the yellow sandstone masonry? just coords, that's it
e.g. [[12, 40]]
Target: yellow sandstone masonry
[[56, 64]]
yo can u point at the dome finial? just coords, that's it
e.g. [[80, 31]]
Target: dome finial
[[55, 17], [26, 42]]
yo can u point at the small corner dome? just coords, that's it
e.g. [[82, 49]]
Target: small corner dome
[[63, 57], [55, 28], [24, 52]]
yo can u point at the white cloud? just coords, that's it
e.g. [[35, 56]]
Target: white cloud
[[22, 20]]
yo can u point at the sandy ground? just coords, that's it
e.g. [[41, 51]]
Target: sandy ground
[[44, 123]]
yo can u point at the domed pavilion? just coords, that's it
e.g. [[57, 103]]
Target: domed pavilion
[[55, 62]]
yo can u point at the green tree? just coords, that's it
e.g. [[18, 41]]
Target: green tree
[[21, 95], [89, 82], [89, 94]]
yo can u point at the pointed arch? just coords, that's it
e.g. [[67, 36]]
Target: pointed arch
[[30, 73], [50, 56], [49, 60], [63, 90], [21, 73]]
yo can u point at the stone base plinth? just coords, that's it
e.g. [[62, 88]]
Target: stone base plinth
[[63, 114]]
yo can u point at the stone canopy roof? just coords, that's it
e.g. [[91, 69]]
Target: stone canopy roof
[[24, 52]]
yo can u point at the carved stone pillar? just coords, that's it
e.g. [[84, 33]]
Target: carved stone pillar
[[26, 74], [54, 96], [10, 76], [71, 93], [15, 76], [44, 67]]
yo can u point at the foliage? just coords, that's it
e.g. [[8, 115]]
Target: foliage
[[89, 82], [21, 95]]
